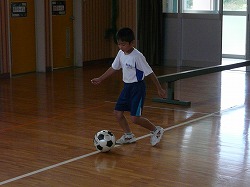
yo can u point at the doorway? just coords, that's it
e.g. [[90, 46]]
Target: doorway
[[234, 30], [62, 33], [22, 36]]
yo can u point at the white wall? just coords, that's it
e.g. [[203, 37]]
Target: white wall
[[192, 40], [171, 40], [201, 45], [40, 36], [78, 33]]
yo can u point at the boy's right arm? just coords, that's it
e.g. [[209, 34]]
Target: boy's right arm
[[105, 75]]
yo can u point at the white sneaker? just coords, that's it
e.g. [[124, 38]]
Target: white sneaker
[[126, 139], [156, 135]]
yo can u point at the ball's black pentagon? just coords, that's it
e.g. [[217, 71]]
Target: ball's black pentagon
[[109, 143], [110, 133], [99, 147], [100, 137]]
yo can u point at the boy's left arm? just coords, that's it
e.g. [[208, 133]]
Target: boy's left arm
[[161, 91]]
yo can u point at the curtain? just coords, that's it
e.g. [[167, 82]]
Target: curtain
[[150, 30]]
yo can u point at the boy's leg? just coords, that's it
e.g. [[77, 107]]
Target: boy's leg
[[128, 136], [144, 122], [122, 121], [156, 131]]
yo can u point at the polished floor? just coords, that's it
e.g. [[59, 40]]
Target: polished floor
[[48, 121]]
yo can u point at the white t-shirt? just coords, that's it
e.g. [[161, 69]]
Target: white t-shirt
[[134, 66]]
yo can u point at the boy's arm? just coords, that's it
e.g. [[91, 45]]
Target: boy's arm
[[105, 75], [161, 91]]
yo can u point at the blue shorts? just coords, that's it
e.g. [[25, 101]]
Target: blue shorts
[[132, 98]]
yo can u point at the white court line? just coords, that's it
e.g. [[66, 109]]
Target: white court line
[[96, 152], [164, 108], [182, 124], [48, 168]]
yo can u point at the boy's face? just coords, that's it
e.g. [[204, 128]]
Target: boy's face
[[126, 47]]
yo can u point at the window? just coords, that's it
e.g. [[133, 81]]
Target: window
[[170, 6], [234, 29], [200, 6], [234, 5], [192, 6]]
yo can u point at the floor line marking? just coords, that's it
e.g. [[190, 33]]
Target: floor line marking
[[48, 168], [163, 108], [96, 152], [191, 121], [181, 124]]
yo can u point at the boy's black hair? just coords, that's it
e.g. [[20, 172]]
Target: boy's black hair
[[125, 35]]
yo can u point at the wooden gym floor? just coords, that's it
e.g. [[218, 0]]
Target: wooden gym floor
[[48, 121]]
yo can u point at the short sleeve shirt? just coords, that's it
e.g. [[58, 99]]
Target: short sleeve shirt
[[134, 66]]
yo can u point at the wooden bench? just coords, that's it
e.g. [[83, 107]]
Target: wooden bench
[[171, 78]]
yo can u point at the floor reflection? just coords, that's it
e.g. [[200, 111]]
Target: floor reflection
[[233, 85]]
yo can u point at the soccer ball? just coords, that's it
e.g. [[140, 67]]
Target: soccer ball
[[104, 140]]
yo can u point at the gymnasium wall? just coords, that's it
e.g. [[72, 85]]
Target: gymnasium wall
[[96, 19], [97, 15]]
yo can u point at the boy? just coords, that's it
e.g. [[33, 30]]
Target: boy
[[135, 68]]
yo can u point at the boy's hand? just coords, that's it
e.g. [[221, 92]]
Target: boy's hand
[[105, 75], [96, 81]]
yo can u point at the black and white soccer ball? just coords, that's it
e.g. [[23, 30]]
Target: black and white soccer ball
[[104, 140]]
